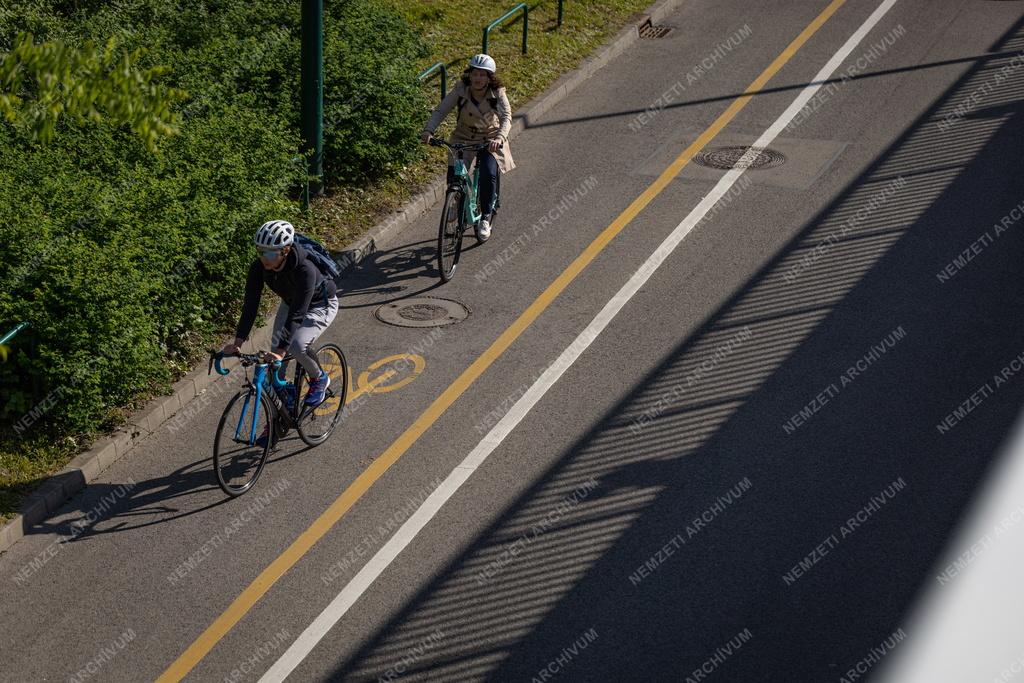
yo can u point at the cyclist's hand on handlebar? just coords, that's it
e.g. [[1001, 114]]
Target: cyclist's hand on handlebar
[[426, 138], [495, 144], [229, 349], [272, 356]]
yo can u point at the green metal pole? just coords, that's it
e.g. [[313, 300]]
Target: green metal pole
[[313, 89], [526, 25]]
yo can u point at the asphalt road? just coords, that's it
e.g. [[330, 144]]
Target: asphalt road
[[751, 474]]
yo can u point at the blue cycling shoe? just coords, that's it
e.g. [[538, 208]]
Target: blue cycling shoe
[[317, 390]]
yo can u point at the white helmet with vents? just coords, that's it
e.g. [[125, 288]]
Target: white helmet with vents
[[484, 62], [275, 235]]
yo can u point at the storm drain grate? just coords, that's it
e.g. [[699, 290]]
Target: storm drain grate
[[650, 31], [426, 311], [728, 158]]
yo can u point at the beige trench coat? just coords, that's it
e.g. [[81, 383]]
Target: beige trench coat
[[478, 122]]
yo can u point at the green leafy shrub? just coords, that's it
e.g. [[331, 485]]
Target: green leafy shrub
[[128, 262]]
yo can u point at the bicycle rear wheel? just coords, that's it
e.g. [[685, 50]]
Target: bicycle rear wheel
[[318, 424], [449, 236], [237, 462]]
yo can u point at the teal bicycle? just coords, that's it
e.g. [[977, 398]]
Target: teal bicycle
[[460, 207], [259, 415]]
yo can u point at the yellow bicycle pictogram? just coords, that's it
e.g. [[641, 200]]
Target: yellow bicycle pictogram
[[380, 377]]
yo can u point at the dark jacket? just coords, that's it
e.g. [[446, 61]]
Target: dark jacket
[[300, 284]]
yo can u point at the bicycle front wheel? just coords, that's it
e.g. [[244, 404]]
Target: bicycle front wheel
[[237, 461], [449, 236], [318, 424]]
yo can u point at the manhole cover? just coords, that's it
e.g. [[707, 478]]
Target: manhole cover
[[425, 311], [728, 158], [649, 31]]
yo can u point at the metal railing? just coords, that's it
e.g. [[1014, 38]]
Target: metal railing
[[10, 335], [7, 337], [439, 66], [526, 23]]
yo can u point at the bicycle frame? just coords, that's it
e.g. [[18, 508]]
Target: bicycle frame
[[471, 211], [259, 381]]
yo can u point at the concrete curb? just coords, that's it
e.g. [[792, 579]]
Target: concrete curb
[[87, 466]]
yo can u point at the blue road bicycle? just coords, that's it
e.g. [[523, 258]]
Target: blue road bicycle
[[260, 409], [460, 207]]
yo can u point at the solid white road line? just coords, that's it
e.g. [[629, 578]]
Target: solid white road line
[[305, 643]]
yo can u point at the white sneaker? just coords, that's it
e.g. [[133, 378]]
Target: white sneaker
[[483, 230]]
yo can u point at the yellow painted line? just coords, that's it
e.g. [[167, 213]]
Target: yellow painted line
[[300, 546]]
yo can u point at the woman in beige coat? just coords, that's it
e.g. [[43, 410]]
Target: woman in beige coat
[[484, 115]]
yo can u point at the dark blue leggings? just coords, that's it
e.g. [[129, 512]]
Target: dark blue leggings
[[488, 166]]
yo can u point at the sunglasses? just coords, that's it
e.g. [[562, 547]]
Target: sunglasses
[[270, 255]]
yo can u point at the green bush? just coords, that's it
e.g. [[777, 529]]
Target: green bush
[[373, 103], [128, 262]]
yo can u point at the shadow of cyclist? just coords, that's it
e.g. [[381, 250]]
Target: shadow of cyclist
[[390, 275]]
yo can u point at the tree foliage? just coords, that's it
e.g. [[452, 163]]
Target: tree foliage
[[41, 82]]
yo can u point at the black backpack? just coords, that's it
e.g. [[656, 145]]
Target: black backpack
[[319, 255]]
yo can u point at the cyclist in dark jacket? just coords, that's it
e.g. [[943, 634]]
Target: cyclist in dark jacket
[[310, 302]]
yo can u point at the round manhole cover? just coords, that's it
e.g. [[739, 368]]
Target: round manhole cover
[[425, 311], [728, 158]]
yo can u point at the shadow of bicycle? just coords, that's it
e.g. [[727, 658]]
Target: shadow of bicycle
[[390, 275]]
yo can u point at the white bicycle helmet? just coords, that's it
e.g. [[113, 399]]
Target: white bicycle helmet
[[275, 235], [484, 62]]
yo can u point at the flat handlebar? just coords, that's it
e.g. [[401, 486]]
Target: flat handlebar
[[459, 146]]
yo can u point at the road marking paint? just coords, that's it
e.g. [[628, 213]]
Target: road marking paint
[[379, 383], [327, 519], [308, 639]]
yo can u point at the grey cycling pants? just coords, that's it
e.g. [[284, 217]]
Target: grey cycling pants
[[316, 321]]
